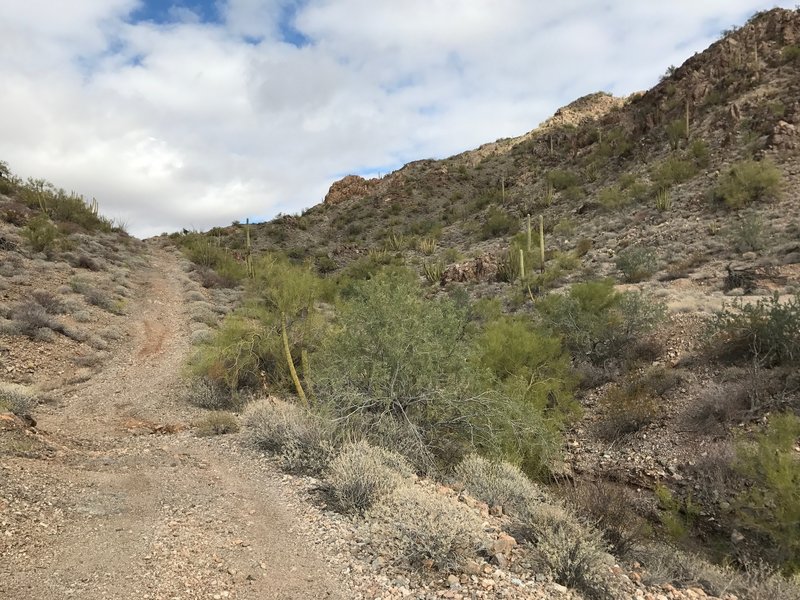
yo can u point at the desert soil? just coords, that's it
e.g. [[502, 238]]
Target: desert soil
[[125, 502]]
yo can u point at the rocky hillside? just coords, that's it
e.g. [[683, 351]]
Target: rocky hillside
[[687, 193]]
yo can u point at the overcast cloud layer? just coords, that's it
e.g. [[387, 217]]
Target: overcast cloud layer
[[195, 113]]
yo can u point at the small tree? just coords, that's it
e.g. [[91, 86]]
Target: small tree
[[290, 291]]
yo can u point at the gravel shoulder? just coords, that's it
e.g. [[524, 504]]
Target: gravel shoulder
[[123, 501]]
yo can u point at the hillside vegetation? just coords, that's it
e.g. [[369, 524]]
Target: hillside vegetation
[[569, 357]]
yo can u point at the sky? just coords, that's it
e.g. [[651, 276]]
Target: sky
[[195, 113]]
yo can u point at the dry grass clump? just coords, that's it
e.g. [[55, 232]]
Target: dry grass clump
[[756, 581], [205, 393], [420, 525], [362, 474], [217, 423], [299, 439], [576, 553], [498, 483], [610, 508], [51, 303], [17, 399]]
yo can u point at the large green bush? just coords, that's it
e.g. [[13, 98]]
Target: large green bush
[[771, 504], [597, 322], [402, 371], [748, 181], [767, 330], [636, 263]]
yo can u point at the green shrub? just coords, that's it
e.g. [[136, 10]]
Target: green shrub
[[747, 181], [676, 131], [217, 423], [301, 440], [677, 516], [396, 368], [771, 505], [748, 234], [700, 153], [41, 234], [362, 474], [672, 171], [636, 264], [768, 331], [597, 322], [790, 54], [425, 526], [561, 179], [498, 483], [498, 222], [613, 197]]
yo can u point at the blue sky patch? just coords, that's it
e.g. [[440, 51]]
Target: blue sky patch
[[176, 11]]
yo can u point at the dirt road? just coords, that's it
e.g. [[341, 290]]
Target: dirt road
[[114, 510]]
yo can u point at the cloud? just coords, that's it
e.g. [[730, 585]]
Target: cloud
[[206, 111]]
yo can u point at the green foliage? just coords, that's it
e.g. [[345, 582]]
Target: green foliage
[[239, 351], [790, 54], [663, 200], [700, 154], [498, 222], [748, 181], [41, 234], [768, 331], [597, 322], [206, 252], [636, 263], [612, 197], [561, 179], [395, 372], [533, 373], [676, 131], [433, 271], [677, 516], [217, 423], [748, 233], [771, 504], [672, 171]]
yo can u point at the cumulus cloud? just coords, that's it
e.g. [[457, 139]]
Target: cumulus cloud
[[203, 111]]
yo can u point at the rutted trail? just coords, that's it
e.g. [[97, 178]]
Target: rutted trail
[[116, 511]]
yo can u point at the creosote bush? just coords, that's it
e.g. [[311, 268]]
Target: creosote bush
[[217, 423], [302, 441], [362, 474], [748, 181], [768, 331], [636, 263], [418, 524], [597, 322]]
